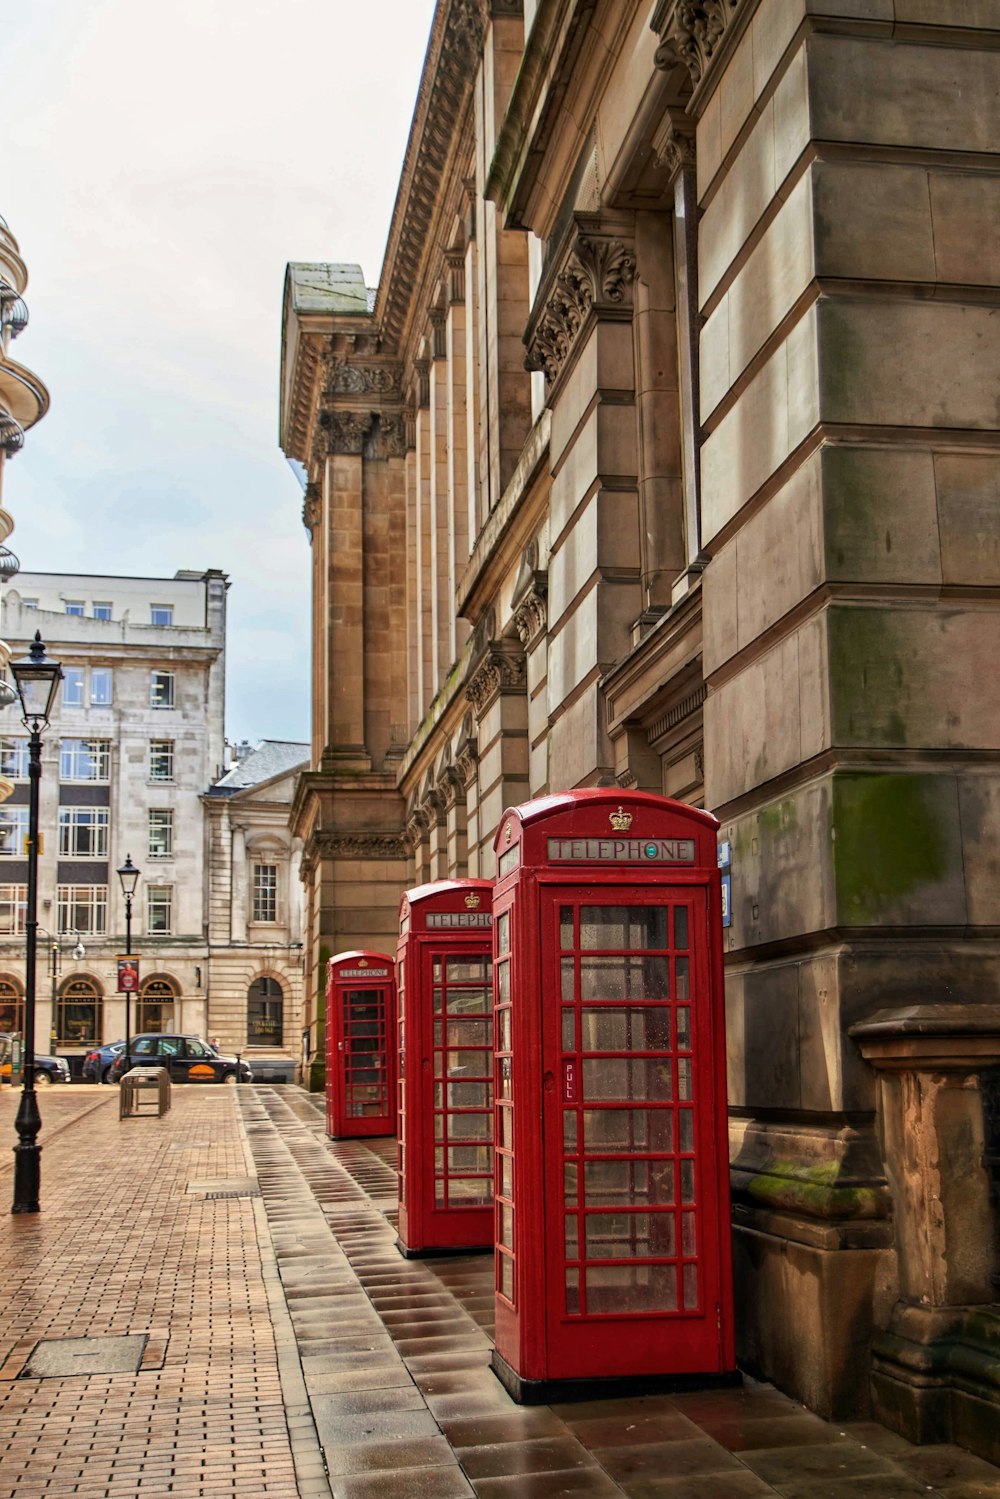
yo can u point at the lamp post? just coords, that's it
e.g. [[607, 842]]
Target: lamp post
[[128, 877], [37, 680]]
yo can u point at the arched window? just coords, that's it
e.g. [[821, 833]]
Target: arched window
[[154, 1010], [79, 1017], [265, 1013], [11, 1005]]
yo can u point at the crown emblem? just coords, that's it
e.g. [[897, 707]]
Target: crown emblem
[[362, 962], [472, 900], [621, 820]]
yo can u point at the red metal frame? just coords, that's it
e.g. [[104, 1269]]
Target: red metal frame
[[612, 1179], [360, 1045], [445, 1087]]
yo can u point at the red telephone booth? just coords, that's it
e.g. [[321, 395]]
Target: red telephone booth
[[443, 968], [612, 1161], [360, 1045]]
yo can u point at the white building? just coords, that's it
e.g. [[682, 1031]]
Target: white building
[[135, 739]]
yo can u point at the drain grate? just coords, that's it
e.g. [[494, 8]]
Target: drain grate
[[57, 1358], [235, 1192]]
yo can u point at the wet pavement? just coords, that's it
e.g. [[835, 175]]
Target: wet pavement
[[287, 1348]]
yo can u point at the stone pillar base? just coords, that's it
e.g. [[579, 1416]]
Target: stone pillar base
[[314, 1077], [937, 1378]]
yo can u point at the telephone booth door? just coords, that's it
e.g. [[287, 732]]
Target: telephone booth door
[[612, 1164], [445, 1088], [360, 1045]]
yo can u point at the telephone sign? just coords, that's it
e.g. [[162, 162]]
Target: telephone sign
[[443, 966], [360, 1045], [611, 1154]]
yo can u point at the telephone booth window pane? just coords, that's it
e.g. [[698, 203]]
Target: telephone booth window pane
[[572, 1292], [689, 1235], [463, 1085], [644, 1131], [570, 1182], [690, 1287], [681, 927], [503, 1035], [686, 1123], [468, 970], [505, 1119], [436, 971], [687, 1181], [569, 1030], [618, 978], [631, 1288], [506, 1276], [567, 976], [610, 1182], [683, 1028], [684, 1079], [505, 1225], [503, 984], [645, 1079], [438, 1000], [565, 927], [569, 1132], [506, 1176], [624, 1030], [469, 1001], [503, 933], [572, 1237], [617, 1236], [623, 928], [683, 978]]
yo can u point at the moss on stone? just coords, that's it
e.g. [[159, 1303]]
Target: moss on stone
[[890, 837], [791, 1186]]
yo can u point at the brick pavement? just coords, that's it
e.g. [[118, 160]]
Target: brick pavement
[[291, 1350]]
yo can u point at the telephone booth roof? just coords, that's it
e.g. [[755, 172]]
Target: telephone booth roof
[[351, 959], [600, 815]]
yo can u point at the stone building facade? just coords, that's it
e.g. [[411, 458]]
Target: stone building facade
[[666, 453]]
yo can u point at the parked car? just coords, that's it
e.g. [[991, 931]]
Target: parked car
[[188, 1059], [97, 1064], [47, 1069]]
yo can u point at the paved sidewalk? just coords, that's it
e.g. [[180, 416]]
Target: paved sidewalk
[[285, 1348]]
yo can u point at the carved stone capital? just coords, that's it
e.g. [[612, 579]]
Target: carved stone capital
[[344, 378], [438, 333], [389, 437], [312, 507], [416, 828], [421, 383], [690, 32], [503, 669], [673, 142], [409, 428], [345, 430], [530, 618], [455, 263], [597, 273], [452, 788]]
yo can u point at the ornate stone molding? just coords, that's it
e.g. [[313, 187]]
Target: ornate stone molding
[[504, 669], [530, 618], [409, 428], [416, 829], [345, 379], [345, 430], [455, 263], [452, 787], [388, 438], [312, 507], [597, 273], [673, 142], [361, 845], [438, 338], [690, 32], [422, 383]]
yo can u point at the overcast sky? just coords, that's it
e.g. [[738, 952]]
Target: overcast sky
[[161, 164]]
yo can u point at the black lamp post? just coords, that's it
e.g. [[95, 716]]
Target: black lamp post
[[128, 877], [37, 680]]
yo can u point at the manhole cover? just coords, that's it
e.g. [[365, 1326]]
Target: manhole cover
[[227, 1186], [58, 1357]]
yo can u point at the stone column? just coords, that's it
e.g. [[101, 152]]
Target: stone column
[[437, 826], [453, 796], [849, 466], [497, 691], [935, 1373], [413, 620], [467, 766], [459, 536], [424, 518], [529, 616]]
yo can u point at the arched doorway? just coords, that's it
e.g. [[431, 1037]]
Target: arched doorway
[[11, 1005], [79, 1017], [155, 1008], [265, 1013]]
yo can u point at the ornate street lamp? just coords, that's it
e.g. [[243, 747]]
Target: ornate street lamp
[[128, 877], [37, 680]]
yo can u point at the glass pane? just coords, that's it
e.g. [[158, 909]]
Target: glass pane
[[466, 1158], [680, 927], [686, 1129], [506, 1176], [569, 1030], [470, 1126], [689, 1235], [565, 927], [632, 1288], [684, 1079], [470, 1191], [690, 1287], [625, 1030], [624, 978], [503, 983], [503, 1035], [569, 1131], [623, 1182], [566, 971], [683, 977], [505, 1225], [683, 1028], [687, 1181], [473, 969], [572, 1292], [505, 1127], [608, 1131], [469, 1096], [645, 1078], [623, 928], [572, 1237], [506, 1266], [468, 1063], [438, 1000], [503, 932], [570, 1182], [617, 1236], [503, 1077]]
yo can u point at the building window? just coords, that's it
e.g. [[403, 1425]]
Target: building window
[[75, 606], [102, 611], [100, 686], [83, 909], [265, 892], [161, 614], [83, 832], [265, 1013], [84, 759], [29, 603], [13, 832], [159, 910], [161, 832], [155, 1006], [161, 689], [161, 760], [13, 909], [72, 688], [78, 1017], [11, 1007], [14, 759]]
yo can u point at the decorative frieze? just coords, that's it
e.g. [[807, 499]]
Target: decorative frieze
[[346, 379], [362, 845], [690, 32], [598, 273]]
